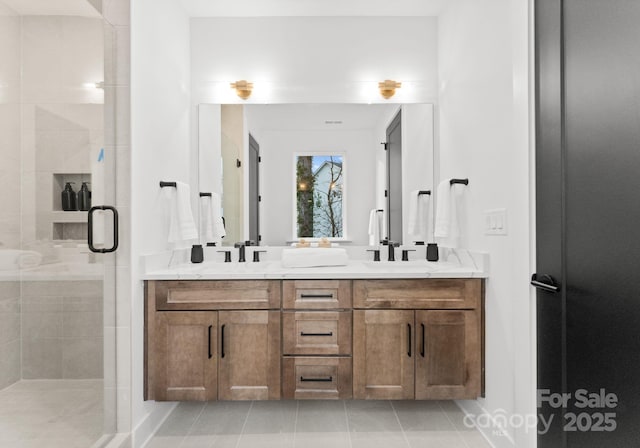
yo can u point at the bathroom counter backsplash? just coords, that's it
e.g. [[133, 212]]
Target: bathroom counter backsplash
[[453, 263]]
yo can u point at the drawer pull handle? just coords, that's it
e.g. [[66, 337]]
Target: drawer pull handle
[[209, 343], [222, 342], [316, 296], [316, 380], [302, 333]]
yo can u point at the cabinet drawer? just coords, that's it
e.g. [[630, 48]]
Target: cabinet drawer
[[316, 294], [217, 295], [439, 293], [316, 332], [316, 378]]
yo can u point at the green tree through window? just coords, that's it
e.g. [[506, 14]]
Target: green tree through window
[[319, 196]]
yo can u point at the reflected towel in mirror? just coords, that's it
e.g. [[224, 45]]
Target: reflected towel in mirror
[[211, 224], [375, 227]]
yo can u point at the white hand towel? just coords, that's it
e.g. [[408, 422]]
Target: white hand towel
[[446, 223], [211, 220], [309, 258], [375, 227], [418, 225], [182, 227]]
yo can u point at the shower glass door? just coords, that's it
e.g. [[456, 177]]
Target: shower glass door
[[57, 298]]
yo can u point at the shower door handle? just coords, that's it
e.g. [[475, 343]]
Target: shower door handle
[[90, 229]]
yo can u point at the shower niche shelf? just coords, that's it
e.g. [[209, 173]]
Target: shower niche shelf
[[67, 225]]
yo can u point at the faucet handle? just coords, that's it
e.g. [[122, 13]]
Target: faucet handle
[[405, 254], [376, 254], [240, 244], [227, 255], [256, 255]]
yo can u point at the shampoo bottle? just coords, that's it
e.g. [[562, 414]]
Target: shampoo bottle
[[84, 198], [69, 203]]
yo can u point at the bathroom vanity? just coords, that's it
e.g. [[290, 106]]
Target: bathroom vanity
[[371, 336]]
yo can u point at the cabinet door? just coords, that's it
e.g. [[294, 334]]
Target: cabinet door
[[383, 354], [448, 361], [249, 359], [185, 356]]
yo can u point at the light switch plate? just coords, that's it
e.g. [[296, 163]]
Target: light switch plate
[[495, 221]]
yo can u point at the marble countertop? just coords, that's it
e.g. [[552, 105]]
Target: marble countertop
[[458, 264]]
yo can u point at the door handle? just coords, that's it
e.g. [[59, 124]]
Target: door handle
[[222, 341], [409, 336], [209, 348], [90, 229], [545, 282], [422, 349]]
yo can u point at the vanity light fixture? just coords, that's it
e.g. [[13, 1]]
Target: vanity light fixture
[[388, 88], [242, 88]]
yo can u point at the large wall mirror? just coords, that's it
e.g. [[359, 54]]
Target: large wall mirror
[[286, 171]]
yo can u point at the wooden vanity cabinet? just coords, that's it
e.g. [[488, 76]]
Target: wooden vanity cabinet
[[196, 355], [399, 339], [428, 353], [184, 356], [316, 339]]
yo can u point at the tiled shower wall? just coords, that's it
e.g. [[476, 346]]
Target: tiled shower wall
[[62, 329], [10, 187], [9, 333]]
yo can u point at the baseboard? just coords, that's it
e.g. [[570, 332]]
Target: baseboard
[[144, 431], [488, 424]]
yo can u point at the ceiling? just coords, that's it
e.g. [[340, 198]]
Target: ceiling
[[82, 8], [277, 8], [313, 117]]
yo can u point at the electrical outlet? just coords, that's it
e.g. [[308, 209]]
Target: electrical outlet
[[495, 221]]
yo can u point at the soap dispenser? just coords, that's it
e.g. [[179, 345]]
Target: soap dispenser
[[84, 198], [69, 198]]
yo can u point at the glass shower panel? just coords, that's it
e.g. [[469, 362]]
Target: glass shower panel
[[57, 298]]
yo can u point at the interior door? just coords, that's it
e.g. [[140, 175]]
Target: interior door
[[254, 190], [394, 179], [588, 162]]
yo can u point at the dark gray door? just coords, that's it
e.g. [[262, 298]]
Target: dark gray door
[[394, 179], [254, 190], [588, 210]]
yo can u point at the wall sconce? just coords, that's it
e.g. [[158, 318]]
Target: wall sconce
[[242, 88], [388, 88]]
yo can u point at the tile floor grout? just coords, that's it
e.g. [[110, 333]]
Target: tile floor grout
[[368, 424], [404, 435]]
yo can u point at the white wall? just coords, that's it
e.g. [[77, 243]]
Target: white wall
[[484, 135], [314, 59], [160, 95], [278, 175]]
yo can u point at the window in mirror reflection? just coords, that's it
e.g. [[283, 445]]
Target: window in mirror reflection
[[319, 196]]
